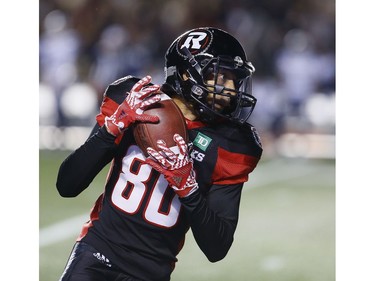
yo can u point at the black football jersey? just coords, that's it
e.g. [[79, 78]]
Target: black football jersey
[[139, 223]]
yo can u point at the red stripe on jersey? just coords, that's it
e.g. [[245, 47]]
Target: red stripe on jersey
[[107, 108], [194, 124], [94, 215], [232, 168]]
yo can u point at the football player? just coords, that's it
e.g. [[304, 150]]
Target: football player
[[138, 224]]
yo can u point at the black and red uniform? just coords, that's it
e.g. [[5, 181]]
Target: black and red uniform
[[138, 224]]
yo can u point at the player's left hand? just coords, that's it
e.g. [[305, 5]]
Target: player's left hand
[[177, 168]]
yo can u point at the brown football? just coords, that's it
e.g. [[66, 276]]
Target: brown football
[[171, 121]]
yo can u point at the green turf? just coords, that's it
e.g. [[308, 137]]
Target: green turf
[[286, 230]]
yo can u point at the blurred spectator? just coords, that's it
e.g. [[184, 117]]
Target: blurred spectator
[[110, 59], [297, 69], [301, 70], [115, 57], [58, 53], [291, 44]]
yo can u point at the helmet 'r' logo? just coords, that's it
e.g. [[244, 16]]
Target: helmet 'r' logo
[[196, 41]]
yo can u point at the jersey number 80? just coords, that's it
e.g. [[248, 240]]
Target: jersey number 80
[[130, 192]]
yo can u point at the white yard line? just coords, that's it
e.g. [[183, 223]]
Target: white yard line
[[62, 230]]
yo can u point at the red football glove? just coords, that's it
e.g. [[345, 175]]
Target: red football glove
[[177, 168], [131, 109]]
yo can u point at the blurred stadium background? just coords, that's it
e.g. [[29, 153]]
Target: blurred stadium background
[[287, 223]]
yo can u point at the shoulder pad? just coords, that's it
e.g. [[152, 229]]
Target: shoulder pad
[[117, 90], [255, 136], [243, 139]]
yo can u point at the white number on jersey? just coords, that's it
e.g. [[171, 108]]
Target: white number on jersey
[[130, 191]]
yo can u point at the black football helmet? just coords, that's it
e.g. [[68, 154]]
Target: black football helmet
[[210, 54]]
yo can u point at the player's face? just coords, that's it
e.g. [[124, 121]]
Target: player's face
[[226, 80]]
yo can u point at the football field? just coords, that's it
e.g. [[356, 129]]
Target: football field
[[286, 230]]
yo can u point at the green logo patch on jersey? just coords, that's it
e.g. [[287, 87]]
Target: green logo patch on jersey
[[202, 141]]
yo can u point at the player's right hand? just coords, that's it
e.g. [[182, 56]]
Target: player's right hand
[[131, 109]]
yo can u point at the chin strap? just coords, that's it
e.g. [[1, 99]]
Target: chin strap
[[194, 69]]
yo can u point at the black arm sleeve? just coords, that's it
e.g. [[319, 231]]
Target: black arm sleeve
[[79, 169], [214, 219]]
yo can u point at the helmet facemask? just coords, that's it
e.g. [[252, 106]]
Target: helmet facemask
[[218, 87]]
